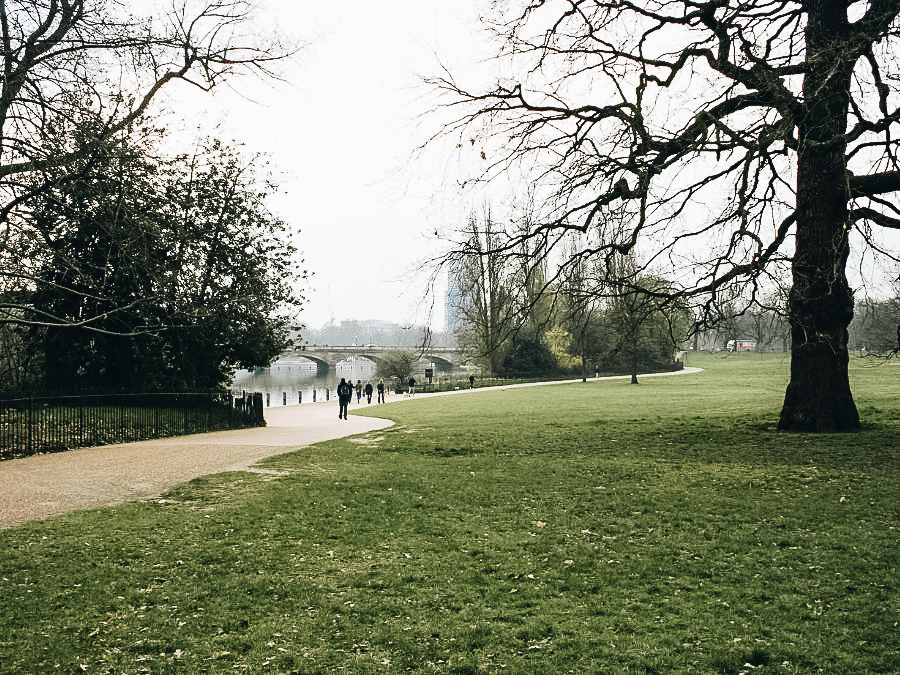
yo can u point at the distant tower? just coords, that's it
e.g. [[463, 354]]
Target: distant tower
[[453, 299]]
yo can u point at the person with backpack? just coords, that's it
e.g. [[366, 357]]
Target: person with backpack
[[345, 393]]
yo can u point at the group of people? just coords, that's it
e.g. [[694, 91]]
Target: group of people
[[345, 394]]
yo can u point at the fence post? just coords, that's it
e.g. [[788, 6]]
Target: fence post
[[29, 420], [258, 408]]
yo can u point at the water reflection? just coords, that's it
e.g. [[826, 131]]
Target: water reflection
[[294, 379]]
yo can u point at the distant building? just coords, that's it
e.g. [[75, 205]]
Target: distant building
[[453, 299]]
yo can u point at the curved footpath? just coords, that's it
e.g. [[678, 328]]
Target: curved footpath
[[47, 485]]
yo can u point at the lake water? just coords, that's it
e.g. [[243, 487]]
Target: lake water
[[293, 379]]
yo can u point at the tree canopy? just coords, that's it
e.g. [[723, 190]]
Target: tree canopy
[[80, 76], [738, 138], [176, 262]]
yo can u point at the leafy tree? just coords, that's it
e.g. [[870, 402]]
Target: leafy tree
[[78, 76], [732, 132], [175, 262], [560, 343], [529, 357], [18, 370]]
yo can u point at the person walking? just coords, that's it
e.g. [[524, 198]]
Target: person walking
[[381, 390], [368, 391], [471, 381], [412, 385], [345, 393], [358, 390]]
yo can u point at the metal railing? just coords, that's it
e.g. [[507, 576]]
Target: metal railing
[[31, 425]]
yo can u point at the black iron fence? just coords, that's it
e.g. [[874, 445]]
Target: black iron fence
[[37, 424]]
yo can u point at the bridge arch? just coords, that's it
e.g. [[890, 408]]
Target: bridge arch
[[442, 364], [321, 363], [327, 356]]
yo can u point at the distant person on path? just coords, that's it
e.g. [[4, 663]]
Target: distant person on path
[[381, 390], [368, 393], [345, 393], [358, 390], [412, 385], [471, 381]]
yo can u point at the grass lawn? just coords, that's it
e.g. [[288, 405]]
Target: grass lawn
[[585, 528]]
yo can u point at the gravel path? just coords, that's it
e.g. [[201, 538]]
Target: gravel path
[[47, 485], [37, 487]]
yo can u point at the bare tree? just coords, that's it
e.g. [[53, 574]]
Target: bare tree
[[875, 330], [731, 131], [487, 294], [79, 73], [645, 326], [397, 364], [400, 364], [766, 322]]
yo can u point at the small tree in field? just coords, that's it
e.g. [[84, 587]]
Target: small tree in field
[[397, 364], [737, 136]]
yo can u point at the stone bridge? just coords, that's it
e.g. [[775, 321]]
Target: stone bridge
[[326, 357]]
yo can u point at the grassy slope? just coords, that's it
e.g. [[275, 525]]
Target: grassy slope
[[596, 527]]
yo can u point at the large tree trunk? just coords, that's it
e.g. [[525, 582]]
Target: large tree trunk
[[818, 397]]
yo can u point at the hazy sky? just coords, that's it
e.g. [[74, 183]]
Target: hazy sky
[[343, 130]]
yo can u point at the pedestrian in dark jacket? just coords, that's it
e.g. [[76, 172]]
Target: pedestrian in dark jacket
[[345, 393], [381, 391], [368, 391]]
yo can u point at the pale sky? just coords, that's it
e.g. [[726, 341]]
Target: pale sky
[[343, 130]]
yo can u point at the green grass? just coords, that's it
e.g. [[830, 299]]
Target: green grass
[[599, 527]]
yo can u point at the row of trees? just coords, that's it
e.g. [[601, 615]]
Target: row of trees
[[875, 328], [517, 319], [122, 262], [610, 315]]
